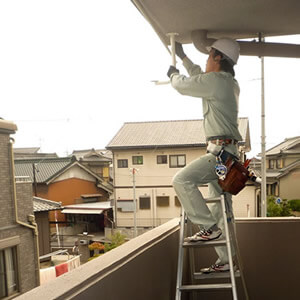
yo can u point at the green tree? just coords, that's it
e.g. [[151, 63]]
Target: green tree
[[117, 239], [275, 209]]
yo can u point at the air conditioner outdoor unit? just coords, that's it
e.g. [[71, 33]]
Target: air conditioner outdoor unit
[[83, 242]]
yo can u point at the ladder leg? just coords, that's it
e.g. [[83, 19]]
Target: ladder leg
[[238, 257], [228, 244], [180, 256], [192, 262]]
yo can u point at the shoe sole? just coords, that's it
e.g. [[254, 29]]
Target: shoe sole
[[214, 271], [218, 271], [193, 241]]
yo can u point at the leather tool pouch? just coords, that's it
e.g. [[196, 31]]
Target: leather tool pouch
[[236, 178]]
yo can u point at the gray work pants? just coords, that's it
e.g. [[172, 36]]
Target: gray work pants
[[186, 181]]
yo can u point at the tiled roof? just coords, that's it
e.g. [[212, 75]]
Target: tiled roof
[[38, 156], [45, 168], [165, 134], [40, 204], [93, 155], [48, 169], [286, 146], [290, 167], [28, 150]]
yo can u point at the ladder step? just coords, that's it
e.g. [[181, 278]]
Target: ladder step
[[217, 275], [205, 286], [212, 200], [204, 244]]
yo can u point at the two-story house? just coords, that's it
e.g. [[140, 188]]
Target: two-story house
[[99, 161], [146, 156], [283, 169], [70, 182]]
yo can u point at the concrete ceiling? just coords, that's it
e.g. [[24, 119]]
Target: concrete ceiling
[[238, 19]]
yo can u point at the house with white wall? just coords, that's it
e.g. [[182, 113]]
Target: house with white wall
[[283, 169], [146, 156]]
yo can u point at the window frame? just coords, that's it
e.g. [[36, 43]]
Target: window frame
[[135, 160], [161, 156], [142, 207], [14, 262], [278, 163], [177, 202], [160, 197], [121, 165], [177, 156]]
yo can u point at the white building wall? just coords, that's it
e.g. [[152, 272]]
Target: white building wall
[[153, 180], [76, 172], [244, 204], [151, 173]]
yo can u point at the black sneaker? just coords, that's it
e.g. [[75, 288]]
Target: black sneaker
[[204, 235]]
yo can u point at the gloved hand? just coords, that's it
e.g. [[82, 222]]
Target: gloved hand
[[171, 71], [179, 50]]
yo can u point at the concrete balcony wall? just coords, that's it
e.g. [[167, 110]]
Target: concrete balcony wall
[[145, 267]]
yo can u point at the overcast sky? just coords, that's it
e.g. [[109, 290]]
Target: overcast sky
[[72, 72]]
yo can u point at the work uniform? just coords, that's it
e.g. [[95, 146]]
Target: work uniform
[[219, 92]]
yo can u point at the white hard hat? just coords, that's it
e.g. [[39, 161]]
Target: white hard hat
[[229, 47]]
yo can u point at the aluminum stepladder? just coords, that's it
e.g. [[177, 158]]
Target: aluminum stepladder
[[228, 237]]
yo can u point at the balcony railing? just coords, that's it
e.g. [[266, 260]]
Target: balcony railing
[[145, 267]]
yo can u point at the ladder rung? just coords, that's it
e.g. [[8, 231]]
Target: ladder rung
[[200, 275], [205, 244], [205, 286], [212, 200]]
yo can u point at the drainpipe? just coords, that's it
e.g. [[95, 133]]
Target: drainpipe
[[251, 48], [115, 224], [31, 218]]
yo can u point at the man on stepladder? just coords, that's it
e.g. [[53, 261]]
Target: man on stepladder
[[220, 94]]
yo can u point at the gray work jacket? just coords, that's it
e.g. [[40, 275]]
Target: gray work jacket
[[220, 94]]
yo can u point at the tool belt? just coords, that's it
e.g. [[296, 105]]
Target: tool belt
[[236, 174], [222, 141]]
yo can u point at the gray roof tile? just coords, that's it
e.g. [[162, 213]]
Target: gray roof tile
[[45, 168], [285, 146], [165, 134], [40, 204]]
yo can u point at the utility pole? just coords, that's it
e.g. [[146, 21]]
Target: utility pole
[[134, 201], [263, 139]]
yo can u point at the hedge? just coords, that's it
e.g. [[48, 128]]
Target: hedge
[[295, 204]]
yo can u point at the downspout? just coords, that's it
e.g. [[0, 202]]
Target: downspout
[[251, 48], [31, 218], [114, 225]]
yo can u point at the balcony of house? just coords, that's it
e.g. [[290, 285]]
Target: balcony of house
[[145, 267]]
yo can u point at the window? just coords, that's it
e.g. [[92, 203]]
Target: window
[[162, 159], [137, 160], [122, 163], [278, 163], [125, 205], [177, 161], [177, 202], [162, 201], [8, 272], [272, 189], [271, 164], [145, 203]]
